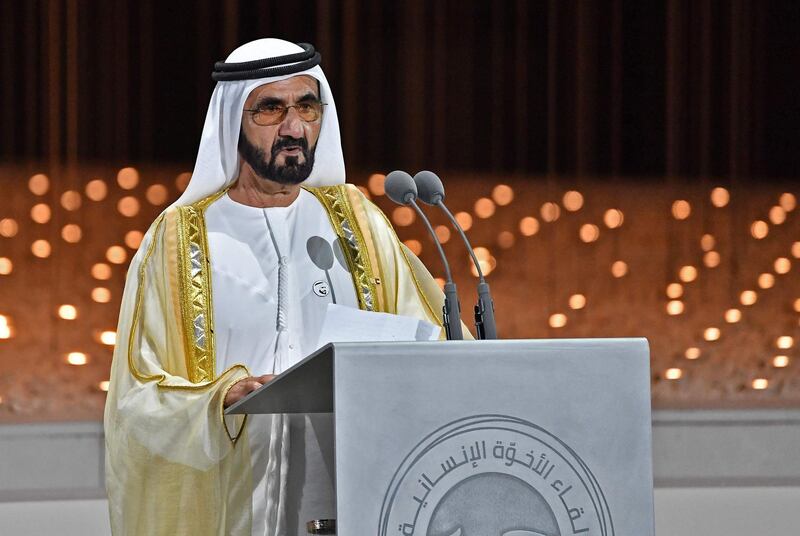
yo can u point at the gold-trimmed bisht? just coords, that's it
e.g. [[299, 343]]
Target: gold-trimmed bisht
[[340, 211]]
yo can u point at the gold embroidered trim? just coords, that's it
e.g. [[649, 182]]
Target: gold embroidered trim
[[417, 282], [160, 378], [357, 201], [335, 201]]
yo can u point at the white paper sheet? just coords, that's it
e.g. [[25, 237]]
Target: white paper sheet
[[347, 324]]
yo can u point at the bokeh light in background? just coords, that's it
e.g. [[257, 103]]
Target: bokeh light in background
[[96, 190], [720, 197], [573, 200], [590, 262]]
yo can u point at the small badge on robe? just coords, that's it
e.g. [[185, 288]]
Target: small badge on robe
[[321, 288]]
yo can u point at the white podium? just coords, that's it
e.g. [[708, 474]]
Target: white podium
[[481, 438]]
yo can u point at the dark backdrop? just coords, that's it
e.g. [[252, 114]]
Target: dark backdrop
[[678, 87]]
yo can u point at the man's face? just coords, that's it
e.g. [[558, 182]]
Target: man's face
[[284, 152]]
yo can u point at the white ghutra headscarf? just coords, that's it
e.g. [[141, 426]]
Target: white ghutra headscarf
[[217, 163]]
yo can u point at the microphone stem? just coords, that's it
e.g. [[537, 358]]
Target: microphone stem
[[435, 239], [463, 237], [451, 312], [485, 324]]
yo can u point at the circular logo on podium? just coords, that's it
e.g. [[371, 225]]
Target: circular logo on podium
[[494, 475]]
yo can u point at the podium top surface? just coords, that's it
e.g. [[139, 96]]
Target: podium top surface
[[308, 386]]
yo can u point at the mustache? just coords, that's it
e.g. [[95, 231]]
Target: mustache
[[286, 142]]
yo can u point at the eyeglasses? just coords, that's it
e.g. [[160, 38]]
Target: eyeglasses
[[273, 114]]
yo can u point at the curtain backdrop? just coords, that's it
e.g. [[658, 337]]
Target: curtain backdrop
[[678, 88]]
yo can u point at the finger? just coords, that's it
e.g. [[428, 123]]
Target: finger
[[266, 378]]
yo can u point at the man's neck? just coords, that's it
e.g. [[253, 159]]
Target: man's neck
[[254, 191]]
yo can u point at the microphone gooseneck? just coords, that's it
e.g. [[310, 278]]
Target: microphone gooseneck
[[401, 189], [431, 191]]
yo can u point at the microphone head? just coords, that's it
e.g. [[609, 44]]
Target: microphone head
[[400, 187], [430, 189]]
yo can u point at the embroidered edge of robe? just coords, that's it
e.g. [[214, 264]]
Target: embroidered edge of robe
[[173, 463]]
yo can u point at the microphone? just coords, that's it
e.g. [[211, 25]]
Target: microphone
[[401, 189], [431, 191]]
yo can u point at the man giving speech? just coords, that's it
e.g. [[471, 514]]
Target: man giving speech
[[230, 287]]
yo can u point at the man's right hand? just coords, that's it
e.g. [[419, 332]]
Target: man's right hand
[[244, 387]]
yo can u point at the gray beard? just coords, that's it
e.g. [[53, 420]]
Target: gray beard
[[291, 172]]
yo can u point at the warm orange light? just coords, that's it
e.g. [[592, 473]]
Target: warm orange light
[[442, 233], [692, 353], [687, 273], [8, 227], [732, 316], [619, 269], [39, 184], [108, 338], [101, 295], [77, 358], [748, 297], [681, 209], [529, 226], [707, 242], [128, 178], [788, 202], [711, 259], [403, 216], [101, 271], [796, 250], [503, 194], [41, 213], [71, 200], [6, 266], [128, 206], [784, 342], [157, 194], [486, 261], [96, 190], [506, 239], [674, 290], [589, 232], [182, 181], [674, 307], [720, 197], [133, 239], [712, 334], [558, 320], [71, 233], [414, 245], [41, 249], [777, 215], [797, 305], [673, 374], [464, 219], [766, 280], [550, 212], [484, 208], [760, 383], [440, 281], [116, 254], [104, 385], [68, 312], [482, 253], [780, 361], [613, 218], [577, 301], [782, 265], [759, 229], [573, 201], [375, 183]]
